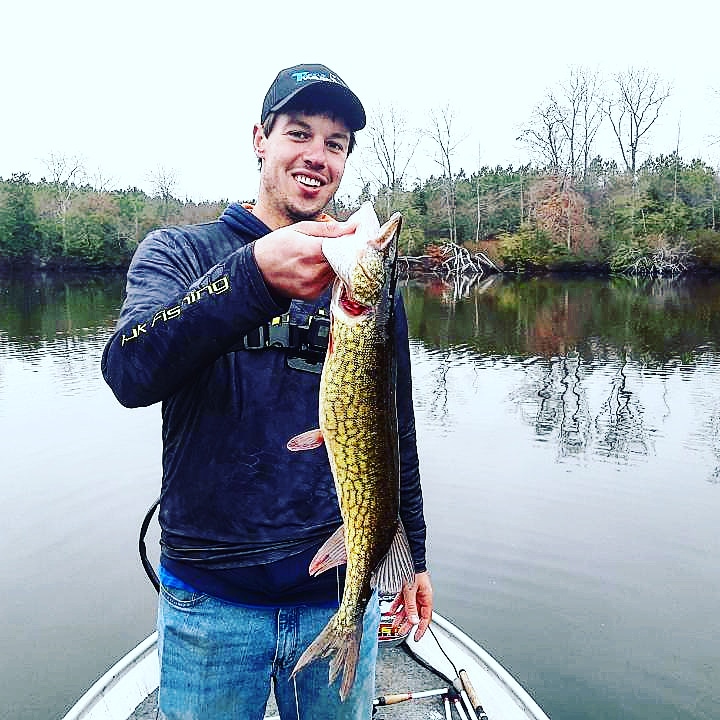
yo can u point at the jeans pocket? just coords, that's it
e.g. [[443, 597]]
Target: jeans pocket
[[182, 599]]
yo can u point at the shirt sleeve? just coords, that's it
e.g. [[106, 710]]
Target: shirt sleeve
[[177, 319], [411, 500]]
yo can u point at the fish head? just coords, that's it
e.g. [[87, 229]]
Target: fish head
[[365, 263]]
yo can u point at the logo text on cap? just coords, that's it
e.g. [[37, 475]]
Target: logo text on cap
[[308, 75]]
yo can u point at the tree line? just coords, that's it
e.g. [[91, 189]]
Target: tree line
[[568, 207], [60, 224]]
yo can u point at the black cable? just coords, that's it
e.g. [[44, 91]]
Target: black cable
[[442, 650], [427, 665], [142, 549]]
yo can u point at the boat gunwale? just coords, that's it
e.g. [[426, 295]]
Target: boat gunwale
[[120, 678], [521, 695], [119, 673]]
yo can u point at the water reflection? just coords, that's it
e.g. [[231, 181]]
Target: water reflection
[[595, 355], [574, 412], [569, 433], [63, 321], [38, 310], [554, 398], [657, 321], [709, 431], [620, 425]]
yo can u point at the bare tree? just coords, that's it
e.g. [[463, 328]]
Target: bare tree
[[443, 136], [392, 147], [66, 173], [584, 100], [563, 127], [164, 181], [546, 137], [100, 182], [634, 109]]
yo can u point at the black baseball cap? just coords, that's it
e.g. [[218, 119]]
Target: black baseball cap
[[320, 82]]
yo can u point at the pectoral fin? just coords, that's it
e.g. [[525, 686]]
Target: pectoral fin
[[305, 441]]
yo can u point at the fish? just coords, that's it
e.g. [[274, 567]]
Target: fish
[[358, 425]]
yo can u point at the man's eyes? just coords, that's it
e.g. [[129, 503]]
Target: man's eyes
[[334, 145]]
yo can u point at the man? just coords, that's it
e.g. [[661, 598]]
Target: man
[[242, 517]]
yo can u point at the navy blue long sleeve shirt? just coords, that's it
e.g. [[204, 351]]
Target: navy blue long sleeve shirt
[[232, 496]]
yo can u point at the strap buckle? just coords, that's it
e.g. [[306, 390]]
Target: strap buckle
[[279, 334]]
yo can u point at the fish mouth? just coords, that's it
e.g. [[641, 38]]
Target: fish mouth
[[351, 307]]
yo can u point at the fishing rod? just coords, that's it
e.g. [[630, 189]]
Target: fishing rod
[[470, 696], [461, 684], [459, 708], [450, 696], [464, 689], [395, 698]]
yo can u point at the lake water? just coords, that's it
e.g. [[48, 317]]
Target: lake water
[[570, 454]]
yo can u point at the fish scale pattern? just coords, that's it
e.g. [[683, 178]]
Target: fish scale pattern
[[358, 423]]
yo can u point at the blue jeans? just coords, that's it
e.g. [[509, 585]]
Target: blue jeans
[[217, 660]]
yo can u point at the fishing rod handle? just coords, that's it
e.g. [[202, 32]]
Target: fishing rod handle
[[402, 697], [472, 695], [391, 699]]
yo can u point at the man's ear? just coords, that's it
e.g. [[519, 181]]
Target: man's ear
[[259, 140]]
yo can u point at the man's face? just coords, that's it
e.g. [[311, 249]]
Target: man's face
[[303, 160]]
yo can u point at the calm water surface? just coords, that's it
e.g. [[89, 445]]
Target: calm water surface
[[568, 437]]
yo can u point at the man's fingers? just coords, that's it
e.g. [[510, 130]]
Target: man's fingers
[[396, 603], [425, 618], [421, 628], [410, 595], [332, 228]]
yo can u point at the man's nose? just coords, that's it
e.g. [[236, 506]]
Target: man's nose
[[315, 152]]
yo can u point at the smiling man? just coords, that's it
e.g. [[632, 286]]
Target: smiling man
[[302, 162], [225, 324]]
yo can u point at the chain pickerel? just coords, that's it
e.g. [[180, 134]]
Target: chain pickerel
[[358, 424]]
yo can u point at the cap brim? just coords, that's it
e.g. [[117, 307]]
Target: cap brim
[[341, 100]]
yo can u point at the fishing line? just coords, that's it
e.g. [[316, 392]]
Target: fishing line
[[475, 712], [297, 700], [425, 664], [442, 650], [475, 709]]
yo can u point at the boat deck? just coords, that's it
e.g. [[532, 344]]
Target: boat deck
[[397, 672]]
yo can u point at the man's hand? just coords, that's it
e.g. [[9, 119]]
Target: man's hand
[[291, 259], [413, 606]]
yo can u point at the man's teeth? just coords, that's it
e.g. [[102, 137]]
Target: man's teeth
[[305, 180]]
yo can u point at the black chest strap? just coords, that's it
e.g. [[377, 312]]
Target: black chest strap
[[305, 345]]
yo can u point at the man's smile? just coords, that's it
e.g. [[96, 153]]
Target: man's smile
[[309, 181]]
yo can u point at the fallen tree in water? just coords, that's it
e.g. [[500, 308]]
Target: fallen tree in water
[[447, 260], [661, 261]]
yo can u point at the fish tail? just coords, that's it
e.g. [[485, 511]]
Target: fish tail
[[343, 643]]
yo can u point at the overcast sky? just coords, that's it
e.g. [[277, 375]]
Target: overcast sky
[[130, 87]]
